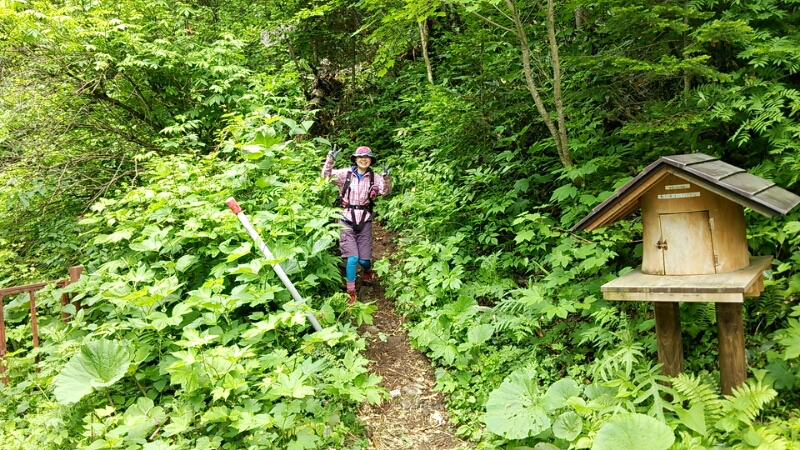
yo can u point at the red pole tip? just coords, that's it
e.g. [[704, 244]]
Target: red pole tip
[[231, 202]]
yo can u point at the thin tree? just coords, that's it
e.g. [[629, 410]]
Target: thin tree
[[558, 128], [423, 36]]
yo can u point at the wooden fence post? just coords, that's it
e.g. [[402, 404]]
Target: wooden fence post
[[74, 275], [34, 324]]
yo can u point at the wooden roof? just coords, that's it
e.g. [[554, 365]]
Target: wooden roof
[[706, 171]]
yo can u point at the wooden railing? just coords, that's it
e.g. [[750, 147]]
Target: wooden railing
[[31, 289]]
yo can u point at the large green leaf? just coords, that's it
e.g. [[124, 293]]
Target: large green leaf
[[99, 364], [516, 410], [568, 426], [560, 391], [633, 431]]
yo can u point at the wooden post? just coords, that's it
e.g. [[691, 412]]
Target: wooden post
[[732, 364], [3, 349], [668, 337], [34, 323], [74, 275], [64, 301]]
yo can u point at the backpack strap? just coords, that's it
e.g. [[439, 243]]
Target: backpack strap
[[346, 186], [358, 226], [371, 183]]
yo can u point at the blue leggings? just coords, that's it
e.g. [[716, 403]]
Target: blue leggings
[[352, 265]]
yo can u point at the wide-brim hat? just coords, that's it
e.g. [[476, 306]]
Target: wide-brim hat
[[362, 151]]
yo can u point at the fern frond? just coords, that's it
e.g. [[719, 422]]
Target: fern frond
[[768, 440], [747, 401], [520, 327], [522, 301], [769, 307], [600, 336], [699, 316], [699, 391]]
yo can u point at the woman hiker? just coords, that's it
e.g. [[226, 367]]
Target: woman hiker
[[358, 186]]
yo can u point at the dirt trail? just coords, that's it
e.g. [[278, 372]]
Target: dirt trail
[[415, 417]]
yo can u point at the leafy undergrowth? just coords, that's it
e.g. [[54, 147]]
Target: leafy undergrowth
[[506, 301], [507, 304], [185, 338]]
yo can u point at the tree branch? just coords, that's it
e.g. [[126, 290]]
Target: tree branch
[[493, 23], [102, 96]]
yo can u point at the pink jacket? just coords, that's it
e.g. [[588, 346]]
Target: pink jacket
[[359, 192]]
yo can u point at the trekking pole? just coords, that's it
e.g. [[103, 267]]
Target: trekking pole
[[231, 202]]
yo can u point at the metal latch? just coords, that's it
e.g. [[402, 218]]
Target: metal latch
[[661, 245]]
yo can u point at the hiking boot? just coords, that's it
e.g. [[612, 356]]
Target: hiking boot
[[368, 276]]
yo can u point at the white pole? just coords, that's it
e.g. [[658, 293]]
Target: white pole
[[234, 206]]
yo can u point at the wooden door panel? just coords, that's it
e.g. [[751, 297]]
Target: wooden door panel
[[689, 249]]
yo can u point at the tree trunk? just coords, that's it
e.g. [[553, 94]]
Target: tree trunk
[[423, 36], [559, 135], [564, 153], [580, 18]]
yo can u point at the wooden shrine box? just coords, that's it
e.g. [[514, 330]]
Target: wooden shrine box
[[694, 249]]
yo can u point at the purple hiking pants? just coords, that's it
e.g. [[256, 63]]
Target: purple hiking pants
[[356, 244]]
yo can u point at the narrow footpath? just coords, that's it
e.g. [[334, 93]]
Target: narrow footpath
[[415, 416]]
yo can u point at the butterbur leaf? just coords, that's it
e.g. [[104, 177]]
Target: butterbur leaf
[[633, 431], [596, 390], [568, 426], [560, 391], [99, 364], [515, 410], [542, 446]]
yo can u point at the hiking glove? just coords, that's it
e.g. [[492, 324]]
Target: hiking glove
[[334, 153], [386, 170]]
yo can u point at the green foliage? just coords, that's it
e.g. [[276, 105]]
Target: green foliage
[[218, 349], [515, 410], [99, 364], [633, 431], [144, 117]]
